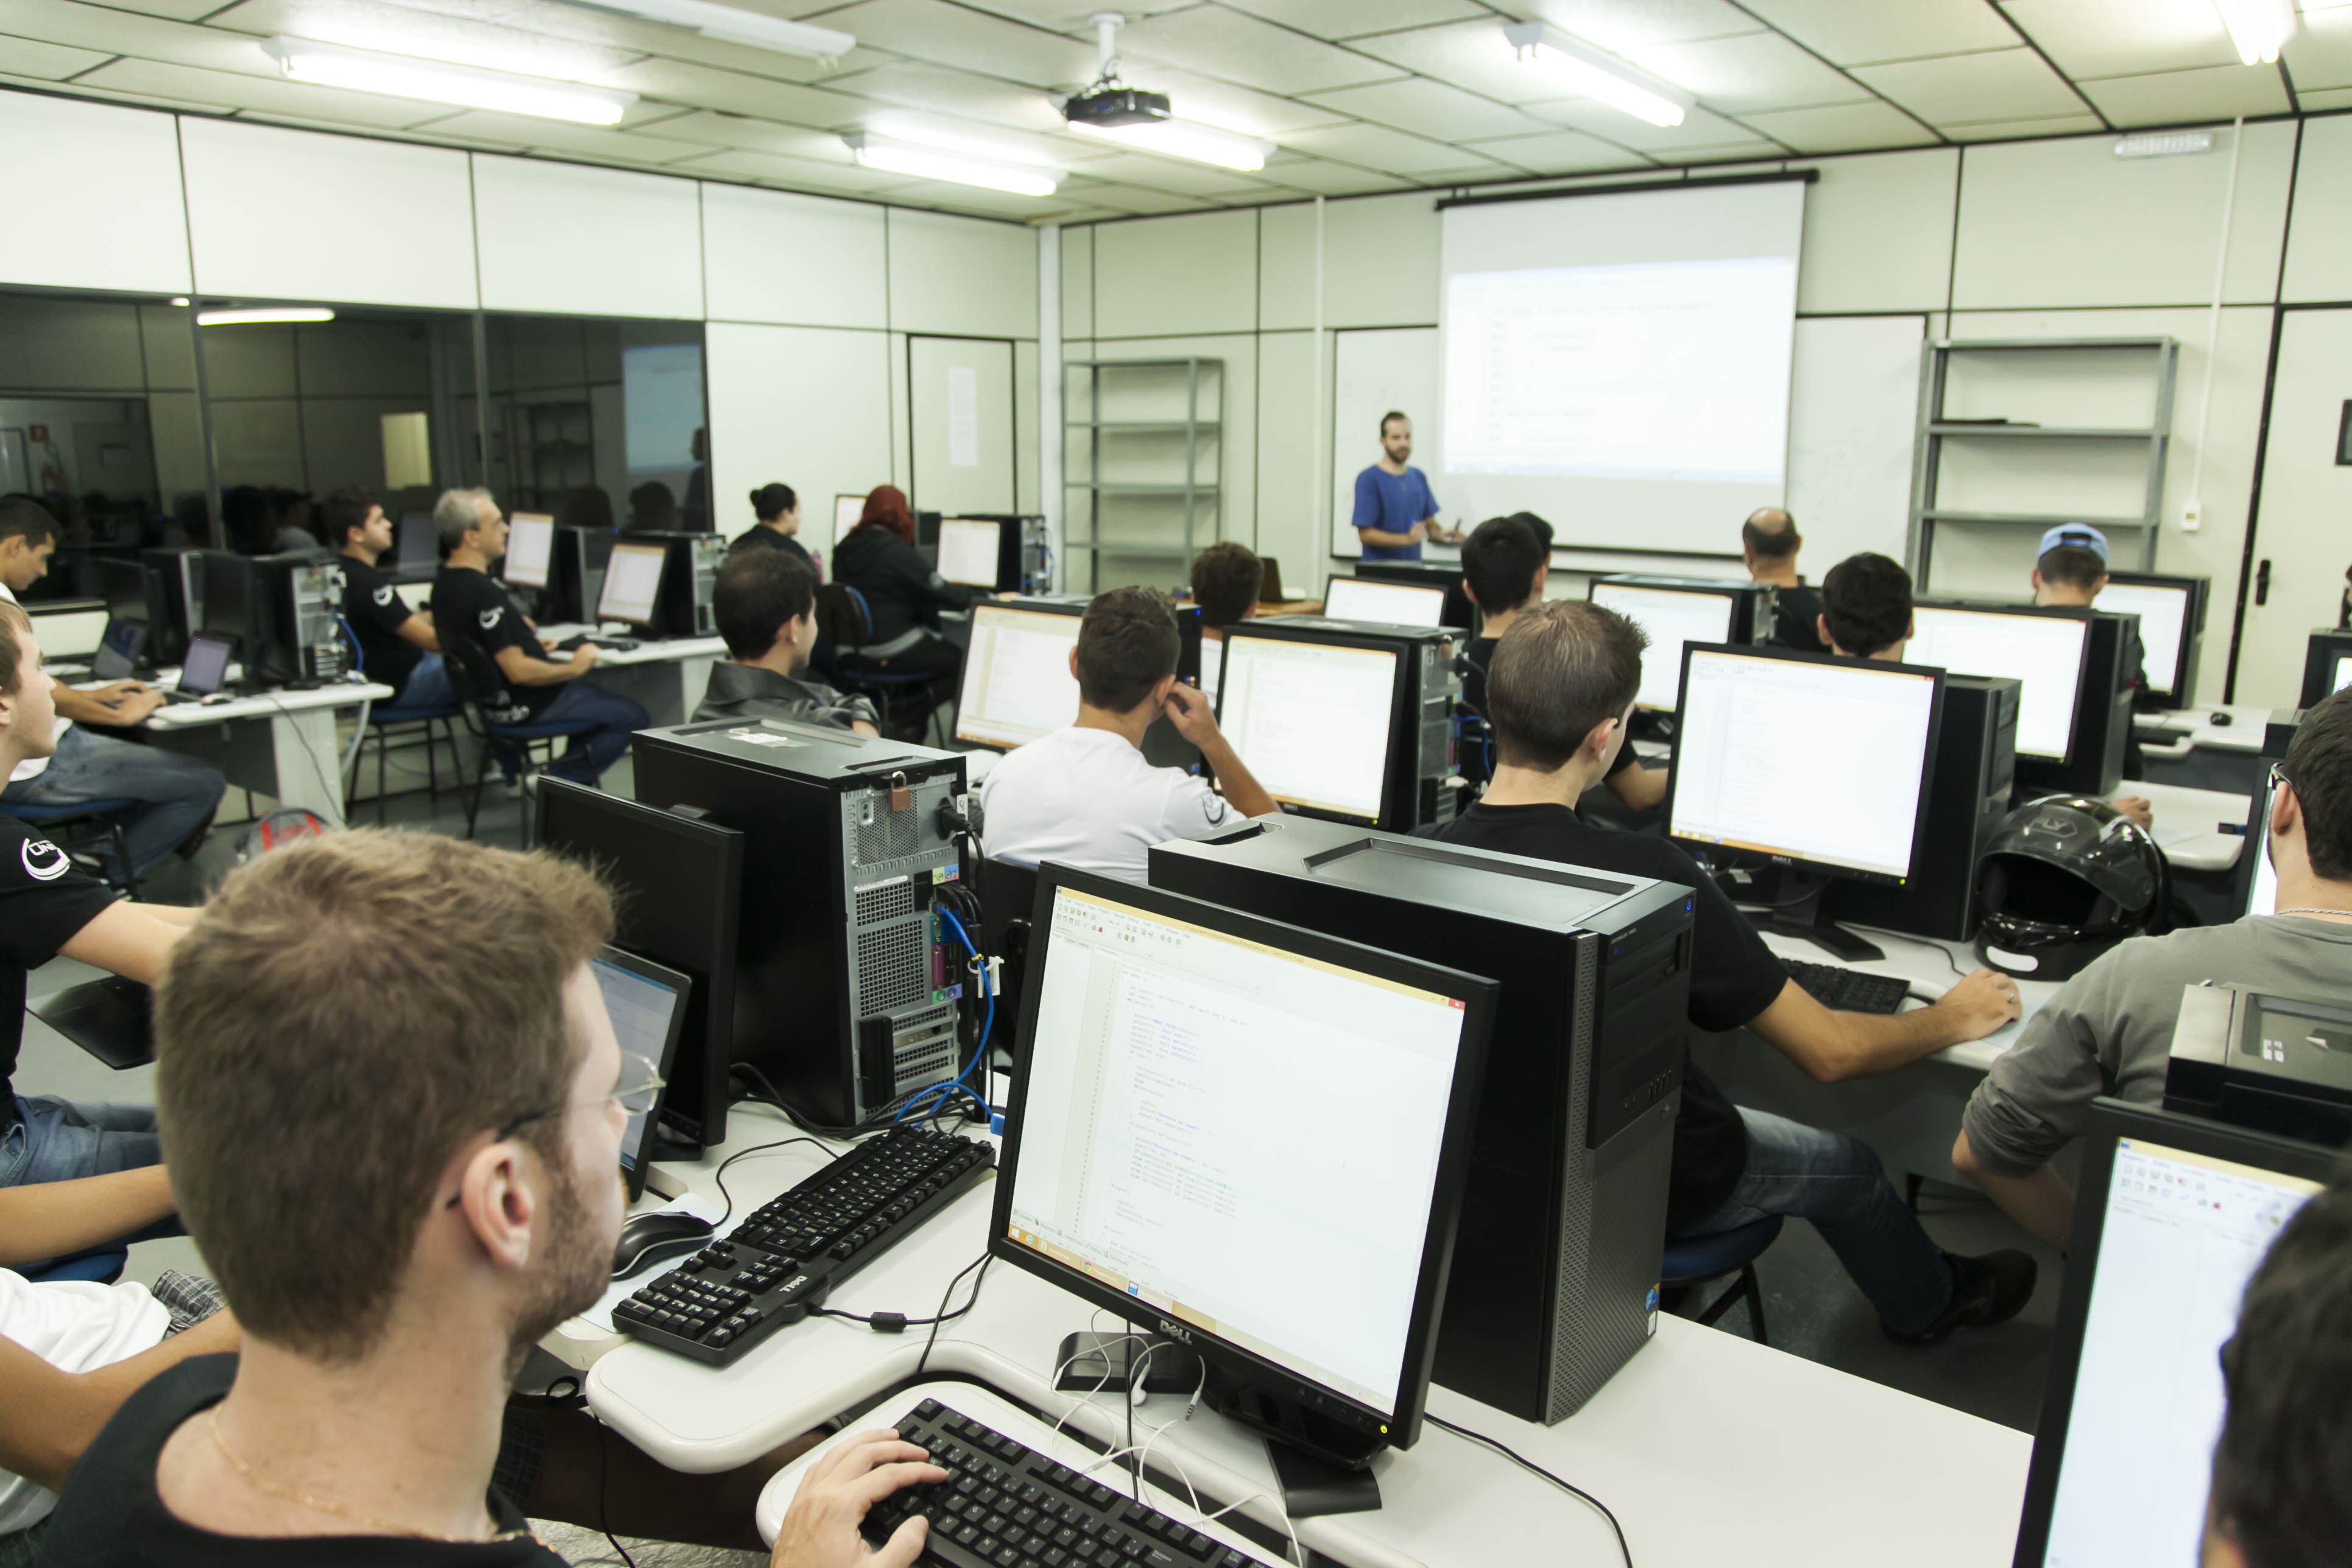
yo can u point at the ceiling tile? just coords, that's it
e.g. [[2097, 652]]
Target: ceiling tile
[[2000, 84], [970, 40], [590, 25], [143, 100], [427, 35], [1332, 179], [1626, 25], [799, 174], [1376, 147], [735, 131], [2320, 55], [125, 33], [2325, 99], [2213, 92], [1430, 109], [1728, 152], [556, 136], [1561, 152], [973, 202], [422, 135], [1165, 174], [702, 87], [2014, 130], [177, 10], [1241, 109], [1059, 149], [230, 91], [1760, 70], [1698, 129], [1133, 198], [1347, 18], [1858, 32], [48, 62], [1061, 15], [1844, 127], [954, 93], [1243, 48], [2124, 38], [1470, 55]]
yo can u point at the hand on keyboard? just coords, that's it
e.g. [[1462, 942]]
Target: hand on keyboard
[[821, 1528]]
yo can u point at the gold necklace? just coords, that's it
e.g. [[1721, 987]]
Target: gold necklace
[[261, 1483]]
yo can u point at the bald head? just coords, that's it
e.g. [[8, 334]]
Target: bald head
[[1769, 541]]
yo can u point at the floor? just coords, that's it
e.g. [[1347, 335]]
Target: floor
[[1810, 1308]]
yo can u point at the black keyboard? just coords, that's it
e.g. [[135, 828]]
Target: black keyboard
[[1005, 1505], [788, 1255], [1848, 990]]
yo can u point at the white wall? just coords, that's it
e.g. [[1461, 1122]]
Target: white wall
[[109, 212]]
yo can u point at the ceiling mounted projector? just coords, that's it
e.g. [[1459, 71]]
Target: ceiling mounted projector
[[1110, 109], [1116, 106]]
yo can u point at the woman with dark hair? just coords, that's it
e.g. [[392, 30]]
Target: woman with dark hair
[[903, 598], [779, 511]]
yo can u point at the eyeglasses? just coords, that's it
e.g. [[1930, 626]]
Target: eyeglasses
[[637, 1092], [2278, 776]]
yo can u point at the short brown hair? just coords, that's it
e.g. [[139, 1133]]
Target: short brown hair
[[2072, 566], [1226, 578], [1126, 643], [1564, 666], [23, 517], [344, 1015], [2318, 766], [1866, 600], [13, 620]]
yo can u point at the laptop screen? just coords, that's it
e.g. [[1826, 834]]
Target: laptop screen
[[119, 649], [206, 666]]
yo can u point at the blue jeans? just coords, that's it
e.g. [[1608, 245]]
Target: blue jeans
[[428, 689], [613, 720], [1837, 1182], [176, 793], [51, 1140]]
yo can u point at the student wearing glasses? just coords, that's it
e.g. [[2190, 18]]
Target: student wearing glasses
[[2109, 1031]]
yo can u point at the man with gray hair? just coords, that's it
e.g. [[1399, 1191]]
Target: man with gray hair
[[1768, 542], [469, 605]]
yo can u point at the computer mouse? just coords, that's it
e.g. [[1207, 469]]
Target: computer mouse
[[2221, 720], [649, 1238]]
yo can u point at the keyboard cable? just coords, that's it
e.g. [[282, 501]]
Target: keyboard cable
[[1526, 1464]]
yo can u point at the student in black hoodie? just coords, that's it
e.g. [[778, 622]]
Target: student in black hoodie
[[779, 511]]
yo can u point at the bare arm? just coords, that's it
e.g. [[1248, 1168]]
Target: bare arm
[[128, 940], [1188, 708], [418, 629], [521, 669], [51, 1219], [2042, 1203], [48, 1417], [1639, 788], [1830, 1047], [116, 707], [1388, 541]]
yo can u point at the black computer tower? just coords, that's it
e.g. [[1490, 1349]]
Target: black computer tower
[[683, 608], [1420, 790], [842, 985], [1969, 783], [2103, 718], [1555, 1269]]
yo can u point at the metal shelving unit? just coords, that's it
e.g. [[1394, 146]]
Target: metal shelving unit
[[1935, 428], [1109, 383]]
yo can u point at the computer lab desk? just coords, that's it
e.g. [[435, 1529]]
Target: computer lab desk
[[1709, 1447], [282, 744], [667, 675], [2192, 729]]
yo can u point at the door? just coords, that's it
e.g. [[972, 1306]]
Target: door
[[962, 417], [2300, 546]]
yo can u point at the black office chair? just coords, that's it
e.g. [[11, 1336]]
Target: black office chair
[[863, 667], [481, 692]]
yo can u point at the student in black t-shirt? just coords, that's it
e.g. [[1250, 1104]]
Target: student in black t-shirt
[[46, 907], [469, 603], [397, 645], [779, 511], [1560, 691], [1768, 542], [397, 1232], [1505, 565]]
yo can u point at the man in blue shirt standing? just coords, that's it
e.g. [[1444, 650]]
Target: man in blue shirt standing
[[1394, 510]]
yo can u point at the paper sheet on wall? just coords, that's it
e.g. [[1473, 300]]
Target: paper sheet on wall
[[964, 417]]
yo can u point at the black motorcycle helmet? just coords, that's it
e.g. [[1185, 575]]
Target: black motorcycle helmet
[[2066, 879]]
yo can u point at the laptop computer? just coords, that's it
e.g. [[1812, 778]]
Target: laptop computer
[[205, 670], [119, 650], [646, 1005]]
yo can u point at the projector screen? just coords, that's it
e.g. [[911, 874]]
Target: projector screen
[[1618, 363]]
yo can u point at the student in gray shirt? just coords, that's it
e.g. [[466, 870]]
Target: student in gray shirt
[[2110, 1030], [765, 605]]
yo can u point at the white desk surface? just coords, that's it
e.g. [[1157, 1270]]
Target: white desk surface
[[2212, 821], [1709, 1447], [649, 650], [263, 705], [1922, 961], [2243, 732]]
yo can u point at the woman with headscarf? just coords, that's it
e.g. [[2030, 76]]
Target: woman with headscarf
[[904, 597]]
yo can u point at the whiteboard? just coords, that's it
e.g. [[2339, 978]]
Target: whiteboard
[[1853, 396]]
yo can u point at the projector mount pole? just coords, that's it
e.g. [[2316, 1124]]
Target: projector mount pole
[[1107, 25]]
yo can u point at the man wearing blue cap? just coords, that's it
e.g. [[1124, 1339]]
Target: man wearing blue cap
[[2070, 571]]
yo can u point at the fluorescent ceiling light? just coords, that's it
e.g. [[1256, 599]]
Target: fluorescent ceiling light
[[180, 301], [737, 27], [1181, 139], [956, 168], [2164, 143], [971, 144], [400, 75], [2259, 28], [264, 315], [1588, 71]]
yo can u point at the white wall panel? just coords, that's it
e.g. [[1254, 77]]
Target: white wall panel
[[823, 429], [1878, 232], [96, 203], [1078, 282], [293, 215], [2319, 239], [961, 275], [564, 238], [795, 260], [1379, 261], [1193, 273]]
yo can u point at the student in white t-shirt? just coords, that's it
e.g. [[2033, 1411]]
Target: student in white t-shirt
[[71, 1353], [1084, 795]]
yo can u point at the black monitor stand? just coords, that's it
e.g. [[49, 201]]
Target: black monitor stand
[[1799, 913]]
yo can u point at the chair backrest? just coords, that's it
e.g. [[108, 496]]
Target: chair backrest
[[843, 616], [474, 680]]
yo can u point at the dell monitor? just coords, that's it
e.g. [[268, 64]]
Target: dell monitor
[[2171, 612], [647, 1006], [1316, 721], [971, 551], [2046, 651], [1673, 618], [530, 545], [1391, 604], [2174, 1214], [1017, 686], [1813, 763], [633, 581], [1167, 1158], [2326, 665], [680, 879]]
